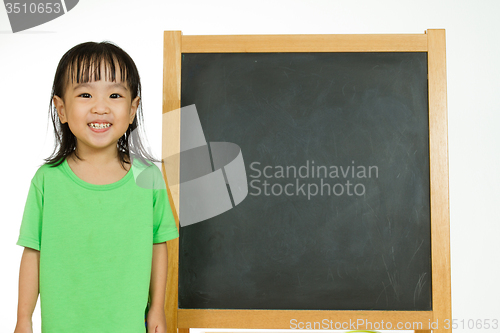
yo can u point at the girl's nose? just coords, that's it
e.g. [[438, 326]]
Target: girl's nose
[[100, 106]]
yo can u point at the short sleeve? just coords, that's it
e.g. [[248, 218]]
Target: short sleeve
[[31, 225], [164, 227]]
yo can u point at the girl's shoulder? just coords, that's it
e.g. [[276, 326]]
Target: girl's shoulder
[[44, 172], [147, 174]]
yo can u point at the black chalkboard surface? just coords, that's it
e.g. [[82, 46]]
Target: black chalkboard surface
[[353, 127]]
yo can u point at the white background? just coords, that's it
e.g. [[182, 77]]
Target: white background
[[28, 61]]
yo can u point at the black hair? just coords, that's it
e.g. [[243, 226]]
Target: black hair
[[82, 64]]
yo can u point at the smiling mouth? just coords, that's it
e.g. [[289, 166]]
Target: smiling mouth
[[99, 125]]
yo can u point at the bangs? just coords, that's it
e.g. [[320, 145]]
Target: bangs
[[88, 67], [88, 62]]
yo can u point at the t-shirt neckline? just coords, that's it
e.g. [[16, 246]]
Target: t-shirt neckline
[[96, 187]]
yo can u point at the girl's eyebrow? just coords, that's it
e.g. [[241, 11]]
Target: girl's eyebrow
[[87, 85], [118, 85], [81, 85]]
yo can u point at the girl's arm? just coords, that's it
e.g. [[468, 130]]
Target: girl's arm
[[156, 315], [158, 275], [28, 289]]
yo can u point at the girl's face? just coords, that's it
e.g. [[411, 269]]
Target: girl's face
[[94, 104]]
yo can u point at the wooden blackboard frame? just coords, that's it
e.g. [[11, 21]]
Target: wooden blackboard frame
[[432, 42]]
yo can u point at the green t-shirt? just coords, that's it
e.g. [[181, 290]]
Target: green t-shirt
[[96, 246]]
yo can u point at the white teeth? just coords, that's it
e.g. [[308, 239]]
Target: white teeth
[[99, 125]]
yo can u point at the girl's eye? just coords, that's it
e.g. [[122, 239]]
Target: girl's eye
[[115, 95], [84, 95]]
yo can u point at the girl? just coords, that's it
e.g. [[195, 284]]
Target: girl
[[96, 207]]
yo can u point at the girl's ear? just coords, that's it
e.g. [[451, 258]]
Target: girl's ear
[[133, 109], [59, 105]]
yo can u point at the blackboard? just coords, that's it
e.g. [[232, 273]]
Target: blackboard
[[363, 246]]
